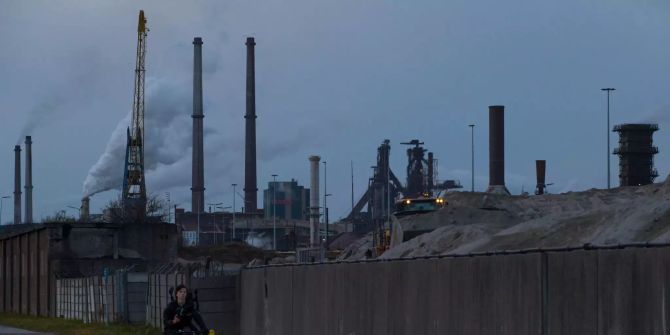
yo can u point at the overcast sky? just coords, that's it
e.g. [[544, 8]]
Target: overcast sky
[[333, 78]]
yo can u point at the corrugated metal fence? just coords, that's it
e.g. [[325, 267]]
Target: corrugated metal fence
[[89, 299], [616, 291], [115, 298]]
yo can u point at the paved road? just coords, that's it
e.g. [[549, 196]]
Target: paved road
[[9, 330]]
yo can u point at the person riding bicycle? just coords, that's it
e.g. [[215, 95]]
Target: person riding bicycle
[[181, 313]]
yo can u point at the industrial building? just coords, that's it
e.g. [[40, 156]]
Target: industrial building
[[286, 200], [636, 154]]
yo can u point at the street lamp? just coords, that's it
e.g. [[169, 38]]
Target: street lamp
[[1, 199], [608, 90], [325, 216], [472, 146], [325, 191], [546, 187], [233, 236], [77, 208], [213, 217], [274, 212], [215, 225]]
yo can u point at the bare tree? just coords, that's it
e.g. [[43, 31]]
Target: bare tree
[[156, 210], [59, 216]]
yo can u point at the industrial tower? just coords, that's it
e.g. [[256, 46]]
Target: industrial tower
[[134, 190]]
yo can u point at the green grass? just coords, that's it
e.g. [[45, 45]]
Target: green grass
[[72, 327]]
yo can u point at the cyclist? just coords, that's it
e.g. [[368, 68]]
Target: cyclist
[[181, 313]]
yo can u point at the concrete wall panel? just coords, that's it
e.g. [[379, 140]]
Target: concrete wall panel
[[571, 293], [252, 295], [24, 273], [280, 300], [33, 273], [16, 269], [3, 279], [43, 241], [631, 291]]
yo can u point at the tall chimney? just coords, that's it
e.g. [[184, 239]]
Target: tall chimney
[[250, 189], [29, 180], [197, 169], [85, 209], [497, 150], [540, 168], [17, 184], [314, 239]]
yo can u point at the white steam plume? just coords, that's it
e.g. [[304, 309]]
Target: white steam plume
[[167, 140]]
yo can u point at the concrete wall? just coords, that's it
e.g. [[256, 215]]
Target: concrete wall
[[24, 273], [614, 291], [31, 259]]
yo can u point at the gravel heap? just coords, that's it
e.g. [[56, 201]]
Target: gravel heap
[[481, 222]]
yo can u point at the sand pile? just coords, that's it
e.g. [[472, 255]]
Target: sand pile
[[479, 222]]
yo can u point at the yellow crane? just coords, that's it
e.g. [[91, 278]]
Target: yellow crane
[[134, 189]]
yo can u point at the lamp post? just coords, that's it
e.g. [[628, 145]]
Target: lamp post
[[222, 210], [325, 216], [213, 217], [1, 199], [325, 191], [77, 208], [546, 187], [274, 212], [608, 90], [472, 146], [234, 193]]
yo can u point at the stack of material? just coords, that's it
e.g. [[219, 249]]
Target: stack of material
[[480, 222]]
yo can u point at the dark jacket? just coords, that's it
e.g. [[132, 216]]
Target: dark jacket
[[186, 314]]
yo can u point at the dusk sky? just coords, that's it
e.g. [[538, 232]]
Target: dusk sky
[[333, 78]]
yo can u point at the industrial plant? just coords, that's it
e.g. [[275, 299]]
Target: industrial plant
[[414, 245]]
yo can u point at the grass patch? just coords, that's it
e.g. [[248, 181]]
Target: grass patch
[[72, 327]]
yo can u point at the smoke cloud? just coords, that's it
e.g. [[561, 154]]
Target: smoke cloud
[[167, 141], [43, 113]]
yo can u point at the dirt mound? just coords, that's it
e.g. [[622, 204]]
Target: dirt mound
[[480, 222]]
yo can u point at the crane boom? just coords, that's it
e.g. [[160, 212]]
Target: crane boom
[[134, 190]]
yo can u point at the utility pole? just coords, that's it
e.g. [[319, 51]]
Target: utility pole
[[472, 146], [234, 194], [274, 212], [325, 194], [608, 90]]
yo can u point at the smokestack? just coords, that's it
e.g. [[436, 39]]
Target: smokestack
[[250, 189], [17, 184], [29, 180], [197, 168], [314, 239], [540, 168], [84, 210], [497, 150]]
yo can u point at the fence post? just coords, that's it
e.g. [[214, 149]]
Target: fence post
[[122, 294]]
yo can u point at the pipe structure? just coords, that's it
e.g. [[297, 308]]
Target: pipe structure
[[198, 165], [314, 239], [250, 188], [29, 180], [497, 150], [17, 184]]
